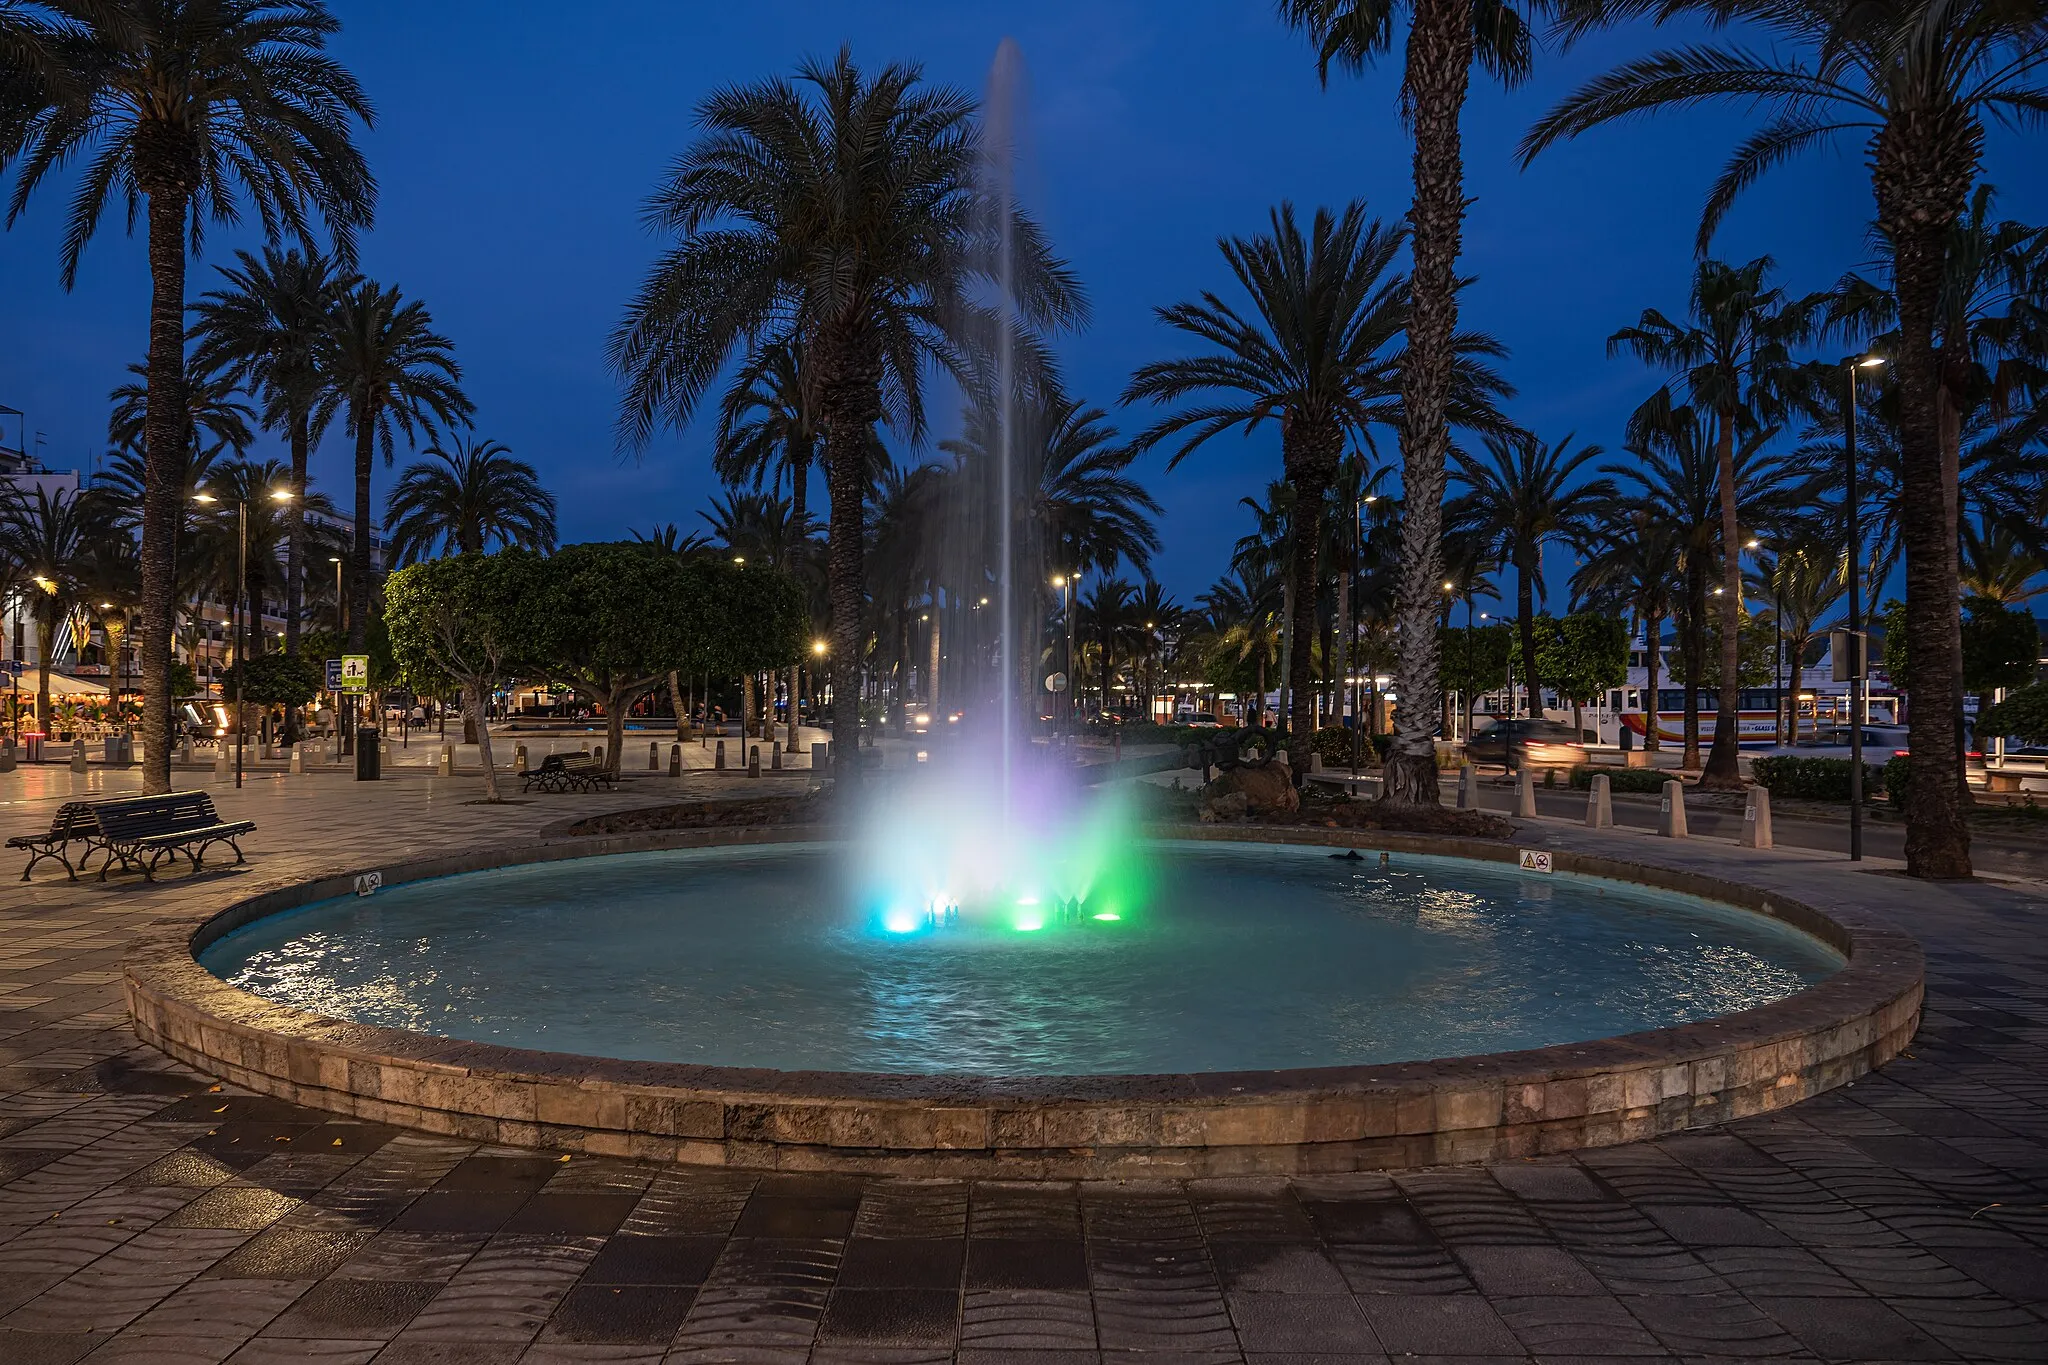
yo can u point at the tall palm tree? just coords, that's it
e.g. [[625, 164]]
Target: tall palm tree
[[217, 420], [1632, 563], [388, 372], [1914, 81], [1804, 583], [1518, 499], [848, 201], [1109, 612], [476, 495], [264, 328], [768, 423], [1731, 357], [1157, 619], [48, 541], [1243, 613], [1998, 567], [183, 111], [243, 491], [1445, 38], [1319, 355]]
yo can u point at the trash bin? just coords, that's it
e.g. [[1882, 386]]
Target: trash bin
[[369, 756], [32, 746]]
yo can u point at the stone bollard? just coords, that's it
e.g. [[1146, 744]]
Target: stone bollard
[[1525, 795], [718, 757], [597, 752], [221, 766], [1671, 811], [820, 757], [1280, 756], [1315, 762], [185, 750], [1756, 819], [267, 752], [654, 755], [775, 757], [754, 761], [6, 758], [1468, 788], [447, 764], [675, 760], [78, 759], [298, 759], [1600, 803], [519, 758]]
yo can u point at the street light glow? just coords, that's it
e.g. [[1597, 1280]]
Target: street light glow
[[280, 495], [203, 496], [817, 646], [1870, 362]]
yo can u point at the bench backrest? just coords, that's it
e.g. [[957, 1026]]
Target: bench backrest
[[72, 819], [136, 817], [581, 763]]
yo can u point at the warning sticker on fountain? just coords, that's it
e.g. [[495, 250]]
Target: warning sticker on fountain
[[1536, 860]]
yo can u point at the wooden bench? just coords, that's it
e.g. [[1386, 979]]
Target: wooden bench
[[73, 821], [141, 831], [567, 772]]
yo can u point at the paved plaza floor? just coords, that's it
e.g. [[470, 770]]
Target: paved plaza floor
[[149, 1215]]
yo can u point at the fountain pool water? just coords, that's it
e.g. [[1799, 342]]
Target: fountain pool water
[[1222, 957]]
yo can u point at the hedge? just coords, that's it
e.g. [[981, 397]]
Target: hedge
[[1898, 771], [1814, 779], [1649, 780]]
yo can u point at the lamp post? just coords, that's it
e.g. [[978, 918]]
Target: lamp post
[[241, 607], [1858, 658], [1065, 708]]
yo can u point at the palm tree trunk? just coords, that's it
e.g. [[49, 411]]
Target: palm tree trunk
[[799, 481], [1722, 769], [794, 681], [1525, 627], [46, 640], [850, 403], [1342, 670], [1439, 71], [359, 553], [295, 564], [164, 460], [1954, 377], [1937, 836], [1653, 656]]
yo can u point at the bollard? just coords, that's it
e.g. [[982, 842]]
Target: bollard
[[820, 757], [1600, 803], [675, 760], [1525, 795], [1468, 788], [298, 758], [6, 758], [1315, 762], [1671, 811], [265, 752], [78, 759], [775, 757], [597, 752], [654, 755], [221, 771], [185, 750], [447, 763], [718, 756], [1756, 819], [519, 758], [754, 761]]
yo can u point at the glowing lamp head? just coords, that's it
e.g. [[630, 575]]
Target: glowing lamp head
[[818, 647], [901, 919]]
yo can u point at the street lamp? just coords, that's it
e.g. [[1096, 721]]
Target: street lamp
[[1068, 584], [1857, 653], [241, 605]]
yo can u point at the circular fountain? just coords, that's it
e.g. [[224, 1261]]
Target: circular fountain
[[1186, 1003]]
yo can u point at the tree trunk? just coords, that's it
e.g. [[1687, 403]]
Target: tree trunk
[[1722, 770], [1653, 657], [473, 698], [46, 640], [615, 705], [1950, 393], [359, 553], [1439, 70], [1525, 627], [850, 404], [164, 460], [794, 680], [295, 561], [931, 677], [1937, 835], [1342, 669]]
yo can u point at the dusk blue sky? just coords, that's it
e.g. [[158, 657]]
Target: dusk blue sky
[[515, 142]]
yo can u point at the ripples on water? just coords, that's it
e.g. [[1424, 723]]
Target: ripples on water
[[1240, 957]]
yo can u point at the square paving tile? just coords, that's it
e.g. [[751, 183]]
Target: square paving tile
[[241, 1207], [1277, 1268], [1437, 1324], [1300, 1322], [902, 1263], [654, 1260], [619, 1313], [575, 1215], [892, 1317], [1853, 1329], [1025, 1263], [354, 1310]]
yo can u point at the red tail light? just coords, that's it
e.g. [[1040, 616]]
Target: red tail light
[[1898, 753]]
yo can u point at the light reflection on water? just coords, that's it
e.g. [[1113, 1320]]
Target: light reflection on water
[[1239, 957]]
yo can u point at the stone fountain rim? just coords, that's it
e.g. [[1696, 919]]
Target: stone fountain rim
[[1545, 1099]]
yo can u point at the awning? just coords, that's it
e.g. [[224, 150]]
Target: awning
[[60, 685]]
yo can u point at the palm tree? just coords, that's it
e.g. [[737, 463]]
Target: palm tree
[[1517, 499], [181, 111], [48, 542], [1998, 567], [1157, 619], [1632, 563], [1730, 358], [264, 329], [768, 423], [1110, 611], [853, 207], [217, 421], [1243, 613], [1445, 37], [245, 489], [388, 371], [1915, 81], [1804, 583], [476, 495], [1319, 356]]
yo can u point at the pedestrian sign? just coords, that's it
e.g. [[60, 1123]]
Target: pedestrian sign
[[334, 675], [355, 673]]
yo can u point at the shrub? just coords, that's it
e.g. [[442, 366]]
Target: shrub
[[1334, 743], [1814, 779], [1650, 780], [1897, 771]]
